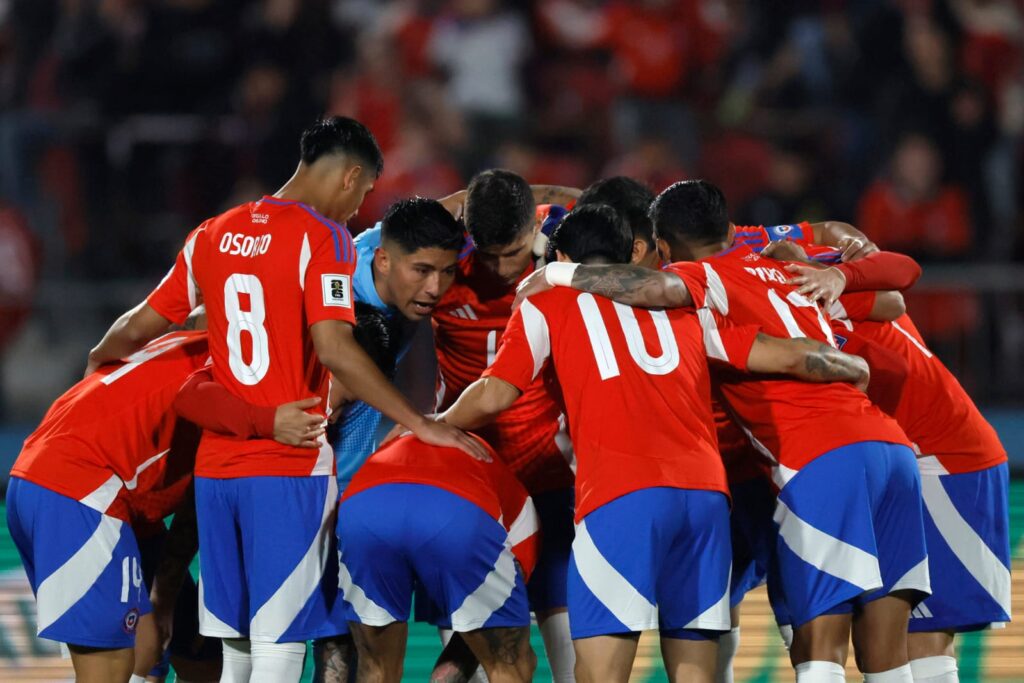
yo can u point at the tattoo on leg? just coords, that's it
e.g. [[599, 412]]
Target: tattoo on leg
[[504, 643]]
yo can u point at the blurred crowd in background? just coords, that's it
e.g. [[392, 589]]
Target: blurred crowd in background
[[123, 123]]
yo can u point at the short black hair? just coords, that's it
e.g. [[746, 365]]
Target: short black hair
[[691, 211], [499, 206], [593, 232], [422, 223], [629, 197], [341, 135], [378, 335]]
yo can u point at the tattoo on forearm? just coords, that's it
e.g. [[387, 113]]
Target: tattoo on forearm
[[504, 643], [631, 285], [553, 194], [830, 365]]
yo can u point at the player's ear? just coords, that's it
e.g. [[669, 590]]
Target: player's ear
[[664, 251], [382, 259], [639, 251], [352, 176], [732, 232], [562, 258]]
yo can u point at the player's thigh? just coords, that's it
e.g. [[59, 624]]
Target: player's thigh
[[615, 561], [97, 665], [692, 589], [827, 516], [223, 585], [504, 652], [690, 660], [966, 529], [548, 582], [86, 575], [381, 651], [605, 659], [375, 573], [464, 564], [286, 546]]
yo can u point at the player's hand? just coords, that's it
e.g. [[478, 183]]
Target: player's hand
[[854, 248], [442, 434], [818, 285], [293, 426], [535, 283], [785, 250]]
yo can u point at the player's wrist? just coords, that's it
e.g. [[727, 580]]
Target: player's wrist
[[842, 276], [560, 274]]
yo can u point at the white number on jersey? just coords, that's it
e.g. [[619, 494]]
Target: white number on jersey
[[250, 321], [782, 307], [601, 344]]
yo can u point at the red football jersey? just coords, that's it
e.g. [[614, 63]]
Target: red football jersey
[[488, 485], [267, 270], [790, 421], [949, 432], [636, 388], [112, 440], [468, 325]]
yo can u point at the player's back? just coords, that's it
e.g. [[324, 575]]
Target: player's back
[[110, 437], [262, 267], [934, 410], [636, 389], [792, 422], [468, 325]]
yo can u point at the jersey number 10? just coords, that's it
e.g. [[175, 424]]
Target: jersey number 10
[[604, 353]]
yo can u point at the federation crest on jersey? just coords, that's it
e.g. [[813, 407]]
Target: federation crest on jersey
[[337, 290], [131, 620]]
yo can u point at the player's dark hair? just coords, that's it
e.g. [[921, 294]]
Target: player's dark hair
[[378, 335], [421, 223], [593, 233], [499, 206], [630, 198], [341, 135], [691, 211]]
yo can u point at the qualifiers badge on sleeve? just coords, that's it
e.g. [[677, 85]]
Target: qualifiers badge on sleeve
[[337, 290]]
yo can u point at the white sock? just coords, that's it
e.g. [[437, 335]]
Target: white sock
[[558, 644], [786, 631], [820, 672], [728, 644], [277, 662], [900, 674], [237, 665], [940, 669], [136, 678]]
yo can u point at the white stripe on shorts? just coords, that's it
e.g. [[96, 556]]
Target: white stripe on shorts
[[488, 598], [609, 586], [827, 553], [716, 617], [369, 612], [62, 589], [209, 624], [965, 543], [274, 617]]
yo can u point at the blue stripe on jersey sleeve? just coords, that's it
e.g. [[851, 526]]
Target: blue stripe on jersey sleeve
[[343, 250]]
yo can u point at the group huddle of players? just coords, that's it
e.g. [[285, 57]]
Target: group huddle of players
[[672, 411]]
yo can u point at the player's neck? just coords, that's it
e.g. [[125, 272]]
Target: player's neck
[[297, 189], [696, 252]]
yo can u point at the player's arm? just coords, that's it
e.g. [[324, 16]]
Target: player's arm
[[339, 352], [128, 334], [625, 283], [853, 243], [179, 548], [888, 306], [480, 403], [807, 360], [210, 405]]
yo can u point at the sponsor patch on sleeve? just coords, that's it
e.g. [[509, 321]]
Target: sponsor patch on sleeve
[[337, 290]]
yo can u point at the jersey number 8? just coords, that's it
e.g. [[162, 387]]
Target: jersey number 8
[[250, 321]]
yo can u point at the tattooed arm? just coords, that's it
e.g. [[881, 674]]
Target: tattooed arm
[[807, 360], [625, 283], [555, 194]]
